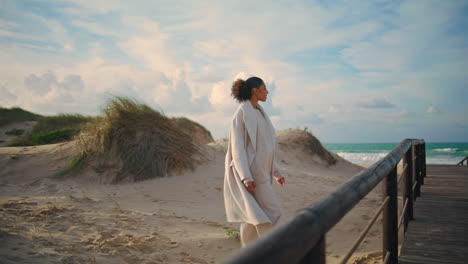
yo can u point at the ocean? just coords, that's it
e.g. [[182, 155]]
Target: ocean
[[368, 153]]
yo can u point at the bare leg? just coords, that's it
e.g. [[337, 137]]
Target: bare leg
[[263, 229]]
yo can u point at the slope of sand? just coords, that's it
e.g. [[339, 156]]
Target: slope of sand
[[22, 125], [177, 219]]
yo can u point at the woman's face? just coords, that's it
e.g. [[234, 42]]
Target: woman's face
[[261, 93]]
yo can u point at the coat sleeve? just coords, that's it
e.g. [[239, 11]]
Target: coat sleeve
[[276, 171], [239, 153]]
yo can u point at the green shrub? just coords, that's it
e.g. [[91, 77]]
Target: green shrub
[[53, 129], [47, 137], [54, 136]]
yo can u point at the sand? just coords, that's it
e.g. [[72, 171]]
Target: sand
[[6, 139], [177, 219]]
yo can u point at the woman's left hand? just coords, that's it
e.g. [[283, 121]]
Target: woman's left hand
[[281, 181]]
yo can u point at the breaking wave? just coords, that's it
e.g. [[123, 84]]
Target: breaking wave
[[448, 150], [370, 158]]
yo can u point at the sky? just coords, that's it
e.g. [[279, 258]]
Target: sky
[[347, 71]]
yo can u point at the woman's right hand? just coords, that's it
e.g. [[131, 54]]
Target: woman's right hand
[[250, 186]]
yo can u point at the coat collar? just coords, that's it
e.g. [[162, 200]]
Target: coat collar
[[250, 121]]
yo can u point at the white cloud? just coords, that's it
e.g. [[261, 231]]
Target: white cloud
[[150, 46], [433, 110], [68, 47], [183, 57], [7, 97], [40, 85], [96, 28], [336, 108], [401, 114], [374, 103]]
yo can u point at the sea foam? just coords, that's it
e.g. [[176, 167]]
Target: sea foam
[[370, 158], [449, 150]]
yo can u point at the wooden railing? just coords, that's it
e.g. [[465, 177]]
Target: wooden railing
[[465, 160], [302, 238]]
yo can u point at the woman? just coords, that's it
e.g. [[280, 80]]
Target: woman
[[250, 164]]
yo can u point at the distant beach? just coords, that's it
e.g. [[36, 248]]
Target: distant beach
[[368, 153]]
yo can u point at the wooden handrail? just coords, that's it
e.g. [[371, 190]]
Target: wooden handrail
[[461, 162], [302, 238]]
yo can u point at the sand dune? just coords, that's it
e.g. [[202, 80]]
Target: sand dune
[[24, 126], [177, 219]]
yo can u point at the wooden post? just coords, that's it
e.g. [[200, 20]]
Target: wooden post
[[417, 172], [421, 166], [390, 217], [423, 162], [408, 187], [316, 254]]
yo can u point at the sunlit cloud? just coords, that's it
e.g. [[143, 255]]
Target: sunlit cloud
[[331, 67]]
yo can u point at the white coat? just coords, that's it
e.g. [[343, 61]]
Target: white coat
[[240, 205]]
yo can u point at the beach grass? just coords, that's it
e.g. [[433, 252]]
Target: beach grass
[[304, 139], [197, 132], [141, 141], [74, 164], [60, 121]]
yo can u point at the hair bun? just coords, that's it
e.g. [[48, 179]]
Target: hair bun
[[242, 90], [238, 88]]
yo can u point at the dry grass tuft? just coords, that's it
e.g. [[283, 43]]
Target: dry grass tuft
[[303, 139], [141, 142], [198, 133]]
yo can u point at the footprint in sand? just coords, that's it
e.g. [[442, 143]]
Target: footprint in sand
[[211, 223], [52, 188], [366, 217]]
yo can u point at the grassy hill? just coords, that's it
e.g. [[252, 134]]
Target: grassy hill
[[16, 114], [47, 130]]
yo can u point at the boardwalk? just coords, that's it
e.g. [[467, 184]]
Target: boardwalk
[[439, 233]]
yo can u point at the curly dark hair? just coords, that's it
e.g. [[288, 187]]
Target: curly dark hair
[[242, 90]]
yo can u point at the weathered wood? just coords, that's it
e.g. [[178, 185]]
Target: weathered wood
[[440, 232], [424, 165], [390, 218], [407, 188], [417, 171], [364, 232], [462, 161], [403, 213], [292, 241], [421, 164]]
